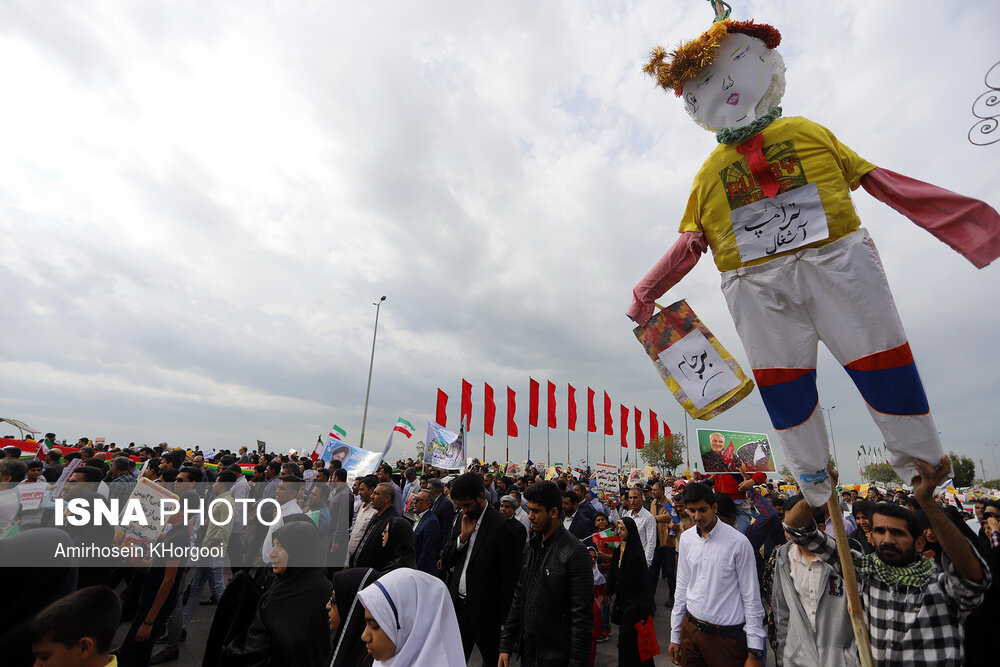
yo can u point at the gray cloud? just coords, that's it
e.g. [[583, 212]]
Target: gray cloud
[[203, 202]]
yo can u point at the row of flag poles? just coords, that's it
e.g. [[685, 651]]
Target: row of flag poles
[[534, 387], [869, 455]]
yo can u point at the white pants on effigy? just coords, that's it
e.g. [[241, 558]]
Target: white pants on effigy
[[837, 294]]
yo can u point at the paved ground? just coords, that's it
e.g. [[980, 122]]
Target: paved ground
[[193, 649]]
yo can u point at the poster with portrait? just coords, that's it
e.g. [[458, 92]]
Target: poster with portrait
[[444, 449], [727, 451], [356, 461], [639, 476]]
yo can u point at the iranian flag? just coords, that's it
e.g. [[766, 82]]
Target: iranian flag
[[404, 427], [337, 433], [607, 537]]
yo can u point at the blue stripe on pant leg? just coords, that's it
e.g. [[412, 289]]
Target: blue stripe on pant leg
[[892, 391], [791, 403]]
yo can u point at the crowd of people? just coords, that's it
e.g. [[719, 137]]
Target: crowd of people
[[418, 566]]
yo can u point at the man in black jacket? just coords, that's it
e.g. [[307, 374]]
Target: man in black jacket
[[551, 618], [577, 523], [442, 508], [426, 535], [483, 554], [375, 549]]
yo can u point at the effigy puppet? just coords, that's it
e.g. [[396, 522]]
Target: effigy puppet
[[773, 204]]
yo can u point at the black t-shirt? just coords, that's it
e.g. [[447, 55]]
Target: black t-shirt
[[177, 537]]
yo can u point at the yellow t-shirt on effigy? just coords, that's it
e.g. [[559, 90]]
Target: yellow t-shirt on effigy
[[813, 207]]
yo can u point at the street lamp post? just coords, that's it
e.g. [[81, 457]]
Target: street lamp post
[[833, 442], [364, 419], [993, 448]]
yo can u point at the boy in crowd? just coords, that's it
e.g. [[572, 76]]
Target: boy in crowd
[[77, 630]]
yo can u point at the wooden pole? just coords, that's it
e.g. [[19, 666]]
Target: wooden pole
[[854, 609]]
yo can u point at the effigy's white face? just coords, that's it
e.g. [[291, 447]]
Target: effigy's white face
[[726, 93]]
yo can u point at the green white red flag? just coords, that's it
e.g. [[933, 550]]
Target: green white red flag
[[404, 427], [607, 537]]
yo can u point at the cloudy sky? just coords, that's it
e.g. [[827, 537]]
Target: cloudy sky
[[199, 203]]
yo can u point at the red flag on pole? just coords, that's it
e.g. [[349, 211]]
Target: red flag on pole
[[489, 410], [532, 403], [666, 431], [609, 422], [552, 405], [623, 425], [728, 453], [571, 403], [591, 417], [654, 426], [466, 414], [442, 409], [640, 439], [511, 409]]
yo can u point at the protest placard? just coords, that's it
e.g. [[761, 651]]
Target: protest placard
[[60, 485], [30, 495], [606, 476], [443, 448], [726, 451], [149, 495], [638, 476]]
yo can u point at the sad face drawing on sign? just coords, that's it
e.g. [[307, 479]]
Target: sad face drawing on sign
[[698, 368]]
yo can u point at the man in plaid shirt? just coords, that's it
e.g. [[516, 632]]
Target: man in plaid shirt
[[915, 612]]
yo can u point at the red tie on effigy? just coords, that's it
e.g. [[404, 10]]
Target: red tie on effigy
[[758, 164]]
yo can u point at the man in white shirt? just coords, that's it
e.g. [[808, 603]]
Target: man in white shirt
[[240, 490], [285, 494], [644, 521], [12, 472], [717, 616], [519, 512]]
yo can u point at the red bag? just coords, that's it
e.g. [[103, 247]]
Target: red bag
[[646, 635]]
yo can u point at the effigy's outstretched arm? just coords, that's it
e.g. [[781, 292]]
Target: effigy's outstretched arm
[[672, 267], [970, 226]]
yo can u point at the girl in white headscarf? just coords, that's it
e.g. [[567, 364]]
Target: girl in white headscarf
[[410, 621]]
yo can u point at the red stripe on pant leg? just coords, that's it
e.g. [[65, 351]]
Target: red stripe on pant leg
[[892, 358], [767, 377]]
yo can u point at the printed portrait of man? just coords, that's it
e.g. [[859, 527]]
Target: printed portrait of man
[[713, 458]]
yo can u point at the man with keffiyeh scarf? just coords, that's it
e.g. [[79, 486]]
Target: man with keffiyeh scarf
[[915, 612]]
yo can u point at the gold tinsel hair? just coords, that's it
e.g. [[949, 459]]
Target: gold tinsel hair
[[673, 69]]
